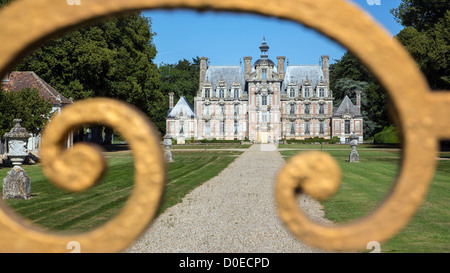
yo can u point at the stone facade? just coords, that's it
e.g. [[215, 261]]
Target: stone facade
[[264, 102]]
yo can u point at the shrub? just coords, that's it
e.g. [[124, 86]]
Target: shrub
[[387, 136]]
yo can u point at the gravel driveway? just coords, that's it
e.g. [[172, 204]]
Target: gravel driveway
[[233, 212]]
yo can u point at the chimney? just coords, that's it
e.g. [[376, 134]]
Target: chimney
[[203, 68], [326, 69], [247, 66], [170, 100], [280, 66], [358, 100]]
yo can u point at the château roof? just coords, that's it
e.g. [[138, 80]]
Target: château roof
[[182, 106], [227, 73], [299, 73], [345, 107]]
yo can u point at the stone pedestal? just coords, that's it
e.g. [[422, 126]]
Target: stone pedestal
[[16, 184], [181, 140], [354, 156], [167, 144], [17, 143]]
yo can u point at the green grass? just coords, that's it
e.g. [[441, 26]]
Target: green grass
[[366, 184], [54, 209]]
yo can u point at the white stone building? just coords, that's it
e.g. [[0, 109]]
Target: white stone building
[[264, 102]]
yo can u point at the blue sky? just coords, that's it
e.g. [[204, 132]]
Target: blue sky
[[225, 38]]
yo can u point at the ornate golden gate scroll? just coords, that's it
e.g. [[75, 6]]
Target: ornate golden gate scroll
[[422, 118]]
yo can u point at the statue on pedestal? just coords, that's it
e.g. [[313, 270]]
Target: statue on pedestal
[[354, 156]]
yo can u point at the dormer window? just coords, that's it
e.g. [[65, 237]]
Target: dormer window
[[207, 93], [221, 93], [306, 92], [292, 93], [321, 92], [264, 74], [236, 93]]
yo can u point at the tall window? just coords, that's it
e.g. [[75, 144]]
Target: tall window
[[207, 93], [292, 109], [292, 93], [307, 127], [236, 109], [292, 127], [264, 116], [221, 93], [306, 92], [222, 126], [321, 109], [321, 92], [208, 127], [347, 126], [235, 126], [264, 100], [236, 93], [307, 109], [264, 74], [321, 128]]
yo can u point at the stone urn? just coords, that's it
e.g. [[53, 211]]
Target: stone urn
[[17, 143]]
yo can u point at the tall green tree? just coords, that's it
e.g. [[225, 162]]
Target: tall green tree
[[348, 75], [431, 50], [420, 14], [26, 105], [181, 78], [112, 58]]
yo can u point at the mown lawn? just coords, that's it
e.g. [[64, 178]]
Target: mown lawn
[[52, 208], [366, 184]]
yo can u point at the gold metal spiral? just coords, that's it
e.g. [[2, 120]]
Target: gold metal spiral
[[422, 118]]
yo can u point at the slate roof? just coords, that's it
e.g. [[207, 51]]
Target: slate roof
[[19, 80], [299, 72], [181, 106], [229, 73], [346, 106]]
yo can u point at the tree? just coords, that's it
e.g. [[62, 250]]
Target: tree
[[113, 58], [26, 105], [431, 50], [182, 79], [348, 75], [420, 14]]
